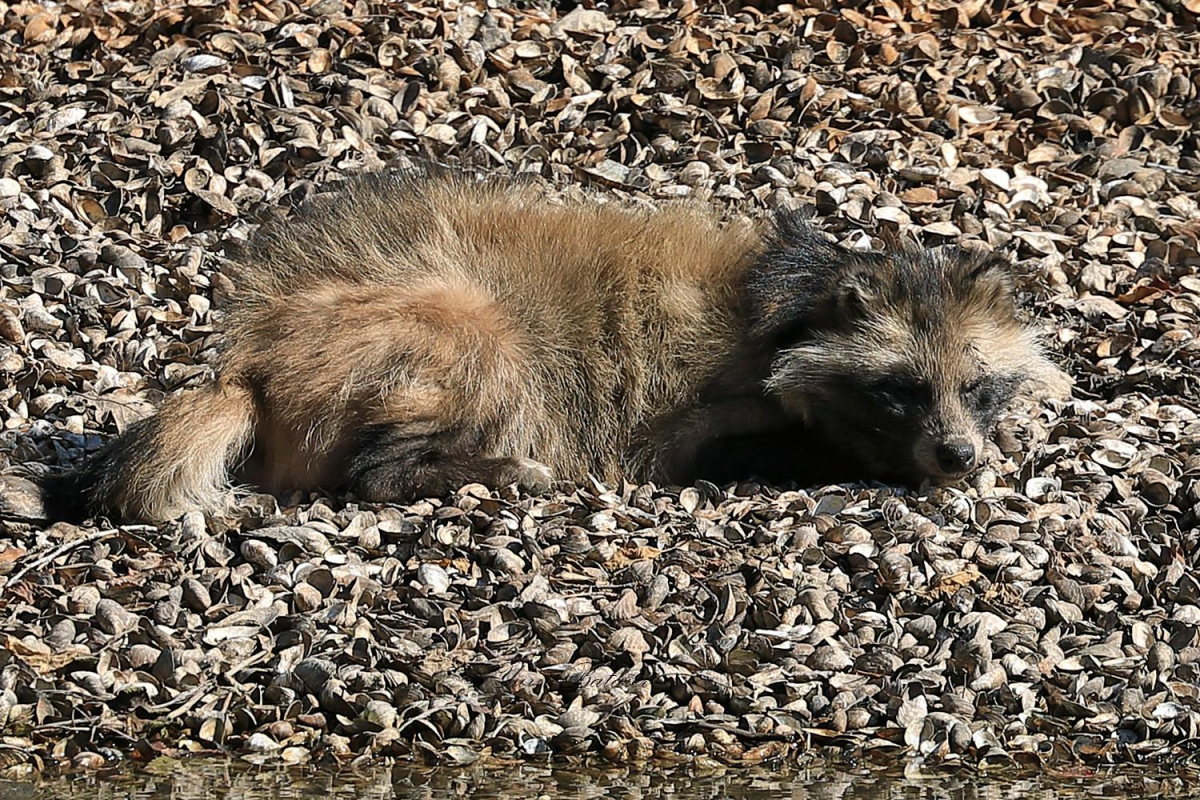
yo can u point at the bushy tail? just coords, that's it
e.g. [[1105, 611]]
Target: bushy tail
[[163, 466]]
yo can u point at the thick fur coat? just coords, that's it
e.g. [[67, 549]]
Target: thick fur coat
[[410, 333]]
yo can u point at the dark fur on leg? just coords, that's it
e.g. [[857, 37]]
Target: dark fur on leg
[[780, 457], [390, 462]]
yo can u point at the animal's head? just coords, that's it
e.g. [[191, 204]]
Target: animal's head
[[904, 359]]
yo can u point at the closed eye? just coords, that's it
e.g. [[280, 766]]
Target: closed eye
[[899, 387], [900, 395]]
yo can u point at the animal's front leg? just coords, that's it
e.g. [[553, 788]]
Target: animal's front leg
[[682, 443]]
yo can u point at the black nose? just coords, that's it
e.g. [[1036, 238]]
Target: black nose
[[955, 456]]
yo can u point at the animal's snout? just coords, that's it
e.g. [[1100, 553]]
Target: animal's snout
[[955, 456]]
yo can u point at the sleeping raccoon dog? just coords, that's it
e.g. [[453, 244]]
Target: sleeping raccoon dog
[[411, 333]]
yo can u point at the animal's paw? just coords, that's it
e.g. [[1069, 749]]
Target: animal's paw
[[532, 476]]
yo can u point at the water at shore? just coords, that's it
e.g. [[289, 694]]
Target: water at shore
[[208, 779]]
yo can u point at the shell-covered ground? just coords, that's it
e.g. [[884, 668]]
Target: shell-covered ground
[[1044, 613]]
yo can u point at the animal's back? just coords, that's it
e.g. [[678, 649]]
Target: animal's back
[[505, 234]]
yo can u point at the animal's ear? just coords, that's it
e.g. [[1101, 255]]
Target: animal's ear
[[982, 276], [853, 292], [793, 306], [803, 282]]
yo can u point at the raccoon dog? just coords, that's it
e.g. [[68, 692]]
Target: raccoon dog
[[411, 333]]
